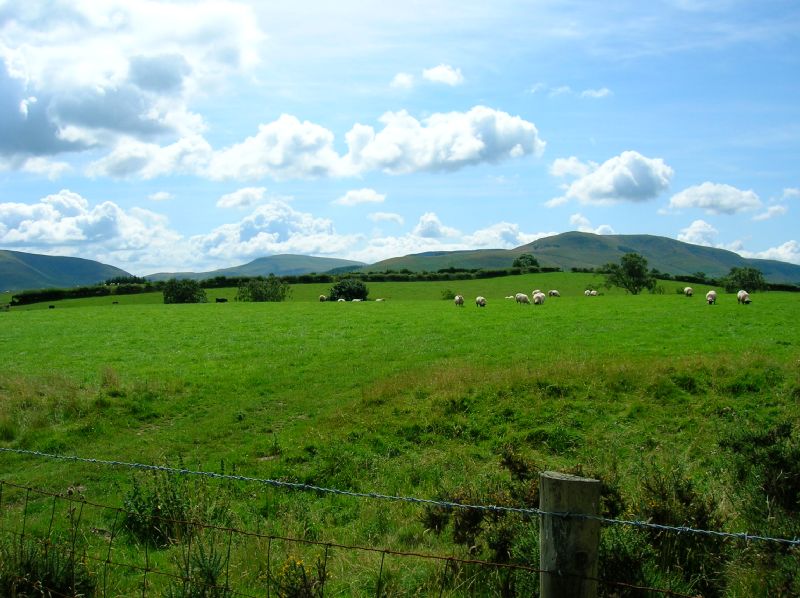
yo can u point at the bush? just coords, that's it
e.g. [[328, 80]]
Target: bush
[[263, 289], [348, 289], [49, 568], [184, 291]]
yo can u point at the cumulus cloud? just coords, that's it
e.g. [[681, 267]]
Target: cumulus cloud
[[403, 81], [82, 74], [430, 227], [52, 169], [65, 223], [786, 252], [386, 217], [129, 158], [562, 167], [715, 198], [503, 235], [584, 225], [441, 142], [444, 73], [242, 198], [628, 177], [355, 197], [771, 212], [699, 232], [274, 227]]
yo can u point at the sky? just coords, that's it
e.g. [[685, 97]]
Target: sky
[[188, 136]]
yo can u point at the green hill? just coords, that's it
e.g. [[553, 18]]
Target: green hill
[[279, 265], [586, 250], [20, 271]]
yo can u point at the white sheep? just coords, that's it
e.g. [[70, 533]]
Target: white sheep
[[743, 297], [509, 296], [538, 298], [554, 293], [522, 298], [593, 293], [459, 300], [711, 297], [380, 299], [480, 301], [587, 292], [535, 291], [688, 291], [355, 300], [322, 298], [341, 300]]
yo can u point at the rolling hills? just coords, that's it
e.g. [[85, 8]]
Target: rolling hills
[[569, 250]]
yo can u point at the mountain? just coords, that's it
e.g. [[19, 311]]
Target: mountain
[[20, 271], [279, 265], [587, 250]]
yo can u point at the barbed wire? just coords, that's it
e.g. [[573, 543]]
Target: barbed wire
[[525, 511], [270, 537]]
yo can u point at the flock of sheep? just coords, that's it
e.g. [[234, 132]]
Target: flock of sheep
[[537, 297]]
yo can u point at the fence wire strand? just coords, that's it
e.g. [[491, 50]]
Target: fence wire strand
[[525, 511]]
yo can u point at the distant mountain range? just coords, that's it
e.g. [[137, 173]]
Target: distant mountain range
[[568, 250]]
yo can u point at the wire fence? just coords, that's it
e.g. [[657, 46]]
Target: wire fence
[[74, 547]]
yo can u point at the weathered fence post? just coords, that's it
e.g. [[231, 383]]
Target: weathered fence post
[[568, 546]]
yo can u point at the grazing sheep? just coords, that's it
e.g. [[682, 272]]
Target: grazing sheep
[[587, 292], [554, 293], [355, 300], [509, 296], [522, 298], [593, 293], [535, 292], [322, 298], [341, 300], [688, 291], [459, 300], [380, 299], [480, 301], [743, 297], [538, 298], [711, 297]]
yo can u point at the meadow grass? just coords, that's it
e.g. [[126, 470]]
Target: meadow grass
[[411, 396]]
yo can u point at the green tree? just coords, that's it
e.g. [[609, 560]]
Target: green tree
[[348, 289], [525, 260], [263, 289], [183, 291], [630, 274], [749, 279]]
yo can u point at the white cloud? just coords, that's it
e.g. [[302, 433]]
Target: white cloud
[[271, 228], [403, 81], [42, 166], [131, 158], [699, 232], [791, 192], [560, 91], [242, 198], [355, 197], [386, 217], [627, 177], [603, 92], [584, 225], [787, 252], [161, 196], [441, 142], [430, 227], [503, 235], [715, 198], [571, 166], [771, 212], [444, 73]]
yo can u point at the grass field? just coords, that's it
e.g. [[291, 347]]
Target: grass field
[[413, 396]]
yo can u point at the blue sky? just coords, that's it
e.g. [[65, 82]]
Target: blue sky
[[163, 136]]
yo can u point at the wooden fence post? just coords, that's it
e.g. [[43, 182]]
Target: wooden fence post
[[568, 546]]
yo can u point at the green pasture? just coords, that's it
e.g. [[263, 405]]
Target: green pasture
[[409, 396]]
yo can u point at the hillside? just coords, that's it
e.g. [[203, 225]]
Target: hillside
[[279, 265], [20, 271], [586, 250]]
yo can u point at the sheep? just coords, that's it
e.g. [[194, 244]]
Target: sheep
[[711, 297], [553, 293], [593, 293], [587, 292], [522, 298], [322, 298], [688, 291], [538, 298], [459, 300], [535, 291], [743, 297], [355, 300], [510, 297], [341, 300], [480, 301], [380, 299]]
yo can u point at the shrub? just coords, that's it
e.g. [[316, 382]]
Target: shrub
[[48, 568], [184, 291], [203, 573], [263, 289], [348, 289], [297, 580]]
